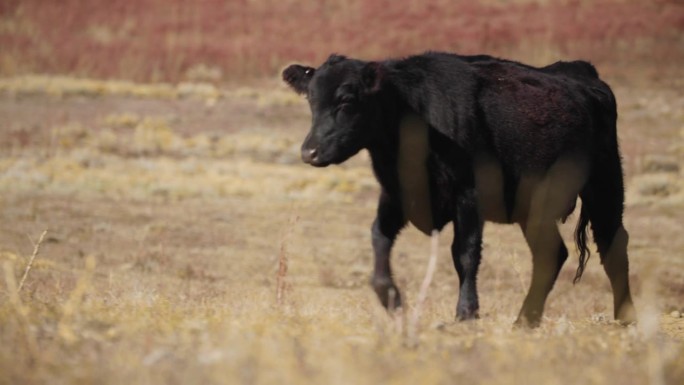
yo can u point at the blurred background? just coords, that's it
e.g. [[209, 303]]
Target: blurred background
[[239, 40]]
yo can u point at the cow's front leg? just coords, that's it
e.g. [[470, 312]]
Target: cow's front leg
[[388, 222], [466, 250]]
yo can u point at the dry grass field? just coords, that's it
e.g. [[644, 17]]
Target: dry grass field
[[161, 228], [169, 208]]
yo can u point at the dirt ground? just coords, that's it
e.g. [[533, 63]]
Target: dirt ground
[[167, 211]]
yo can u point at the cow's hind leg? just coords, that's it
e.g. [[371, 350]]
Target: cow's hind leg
[[543, 203], [387, 224], [603, 200], [466, 251], [613, 252], [548, 255]]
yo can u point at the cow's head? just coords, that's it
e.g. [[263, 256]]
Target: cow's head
[[342, 94]]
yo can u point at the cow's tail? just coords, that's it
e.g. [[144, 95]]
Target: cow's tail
[[605, 186], [581, 242]]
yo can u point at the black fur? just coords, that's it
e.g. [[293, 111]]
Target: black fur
[[508, 143]]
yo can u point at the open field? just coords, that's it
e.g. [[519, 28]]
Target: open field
[[167, 208], [177, 208]]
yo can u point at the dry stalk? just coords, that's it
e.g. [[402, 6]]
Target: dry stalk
[[36, 249], [21, 311], [424, 287], [281, 283], [649, 324]]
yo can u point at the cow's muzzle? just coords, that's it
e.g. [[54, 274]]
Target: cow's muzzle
[[309, 155]]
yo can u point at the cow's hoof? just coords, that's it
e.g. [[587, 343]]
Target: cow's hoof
[[626, 315], [387, 292], [527, 322], [465, 313]]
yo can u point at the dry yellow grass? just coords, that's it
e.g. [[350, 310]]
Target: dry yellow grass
[[161, 264]]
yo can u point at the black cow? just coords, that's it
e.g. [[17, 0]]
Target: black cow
[[473, 138]]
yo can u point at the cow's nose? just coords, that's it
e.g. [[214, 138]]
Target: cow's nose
[[309, 154]]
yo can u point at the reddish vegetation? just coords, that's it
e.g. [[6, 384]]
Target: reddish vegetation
[[162, 39]]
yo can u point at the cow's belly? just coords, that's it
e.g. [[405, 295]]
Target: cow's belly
[[413, 174]]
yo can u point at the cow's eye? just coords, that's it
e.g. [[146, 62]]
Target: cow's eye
[[345, 103], [344, 107]]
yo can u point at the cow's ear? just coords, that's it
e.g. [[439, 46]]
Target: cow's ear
[[372, 76], [298, 77]]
